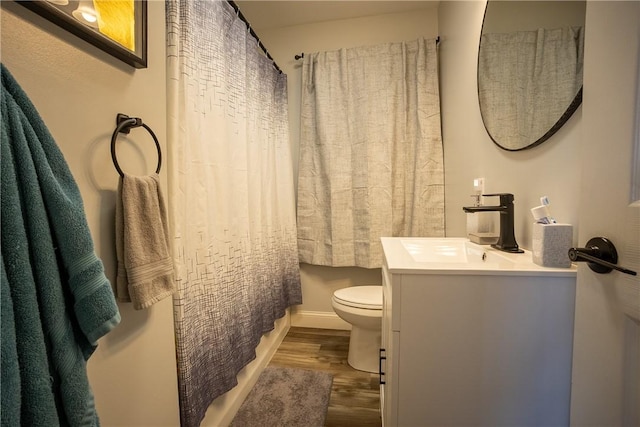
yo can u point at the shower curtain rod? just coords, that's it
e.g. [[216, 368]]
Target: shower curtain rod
[[253, 33], [301, 55]]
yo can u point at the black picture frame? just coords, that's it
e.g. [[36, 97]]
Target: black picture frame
[[61, 16]]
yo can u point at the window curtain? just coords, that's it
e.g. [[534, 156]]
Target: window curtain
[[231, 198], [371, 158], [517, 70]]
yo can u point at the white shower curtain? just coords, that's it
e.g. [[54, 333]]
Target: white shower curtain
[[371, 159], [232, 209]]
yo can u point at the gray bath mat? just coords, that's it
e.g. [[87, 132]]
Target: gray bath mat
[[286, 397]]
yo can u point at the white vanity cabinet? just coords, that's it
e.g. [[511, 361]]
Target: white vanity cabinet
[[485, 345]]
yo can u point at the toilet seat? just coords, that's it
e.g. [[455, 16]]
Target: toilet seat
[[366, 297]]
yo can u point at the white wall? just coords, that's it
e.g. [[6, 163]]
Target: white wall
[[318, 283], [78, 91]]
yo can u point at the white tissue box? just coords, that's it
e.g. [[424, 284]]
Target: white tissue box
[[551, 244]]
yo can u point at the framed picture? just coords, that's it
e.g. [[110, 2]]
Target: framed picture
[[118, 27]]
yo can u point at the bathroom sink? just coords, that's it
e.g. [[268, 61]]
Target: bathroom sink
[[457, 255], [442, 250]]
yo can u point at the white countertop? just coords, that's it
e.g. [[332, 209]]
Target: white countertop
[[456, 255]]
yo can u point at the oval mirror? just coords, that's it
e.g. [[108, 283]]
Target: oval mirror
[[529, 69]]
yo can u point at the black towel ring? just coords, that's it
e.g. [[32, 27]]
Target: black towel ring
[[124, 125]]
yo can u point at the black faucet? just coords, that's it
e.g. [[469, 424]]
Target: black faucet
[[507, 240]]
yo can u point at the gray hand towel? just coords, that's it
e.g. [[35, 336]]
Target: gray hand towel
[[145, 268]]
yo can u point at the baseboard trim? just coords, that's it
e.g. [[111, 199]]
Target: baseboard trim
[[318, 319], [225, 407]]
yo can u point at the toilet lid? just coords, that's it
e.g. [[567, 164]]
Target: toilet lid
[[369, 297]]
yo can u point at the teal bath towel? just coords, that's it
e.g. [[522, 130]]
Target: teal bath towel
[[56, 300]]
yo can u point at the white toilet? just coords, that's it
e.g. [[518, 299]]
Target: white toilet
[[361, 306]]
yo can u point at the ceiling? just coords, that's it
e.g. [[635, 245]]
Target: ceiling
[[264, 14]]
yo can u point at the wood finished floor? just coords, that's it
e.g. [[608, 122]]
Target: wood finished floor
[[355, 395]]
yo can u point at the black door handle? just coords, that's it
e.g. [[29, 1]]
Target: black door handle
[[601, 256]]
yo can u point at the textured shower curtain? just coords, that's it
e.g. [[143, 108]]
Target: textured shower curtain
[[371, 159], [232, 210]]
